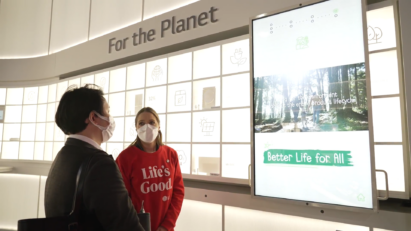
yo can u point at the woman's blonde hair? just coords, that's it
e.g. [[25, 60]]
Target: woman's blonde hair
[[159, 139]]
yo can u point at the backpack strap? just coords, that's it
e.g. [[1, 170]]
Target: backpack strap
[[78, 195]]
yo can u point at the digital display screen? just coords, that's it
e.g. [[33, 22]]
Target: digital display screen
[[311, 126]]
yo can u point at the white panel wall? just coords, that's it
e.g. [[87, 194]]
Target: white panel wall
[[24, 28], [69, 24], [19, 195], [111, 15], [238, 219], [153, 8], [200, 216]]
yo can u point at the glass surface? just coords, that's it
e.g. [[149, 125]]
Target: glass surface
[[180, 67], [42, 113], [236, 91], [11, 131], [31, 95], [3, 92], [206, 159], [56, 148], [130, 133], [58, 134], [156, 98], [236, 159], [29, 113], [184, 156], [391, 159], [118, 80], [52, 91], [179, 127], [102, 80], [48, 151], [14, 96], [40, 131], [387, 130], [87, 80], [28, 132], [206, 94], [114, 149], [134, 102], [306, 104], [206, 126], [61, 89], [43, 94], [118, 135], [38, 150], [163, 126], [74, 83], [236, 57], [26, 151], [13, 114], [117, 104], [179, 97], [51, 111], [156, 72], [381, 29], [236, 125], [206, 63], [10, 150], [384, 73], [49, 131], [136, 76]]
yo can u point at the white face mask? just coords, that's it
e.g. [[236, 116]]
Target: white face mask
[[108, 131], [147, 133]]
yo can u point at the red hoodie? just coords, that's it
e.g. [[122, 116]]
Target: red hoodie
[[155, 178]]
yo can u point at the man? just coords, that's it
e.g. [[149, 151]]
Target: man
[[84, 115], [295, 107], [317, 103]]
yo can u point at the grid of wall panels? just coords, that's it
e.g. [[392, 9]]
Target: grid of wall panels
[[202, 96], [386, 99]]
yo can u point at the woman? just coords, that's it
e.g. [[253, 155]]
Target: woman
[[151, 173]]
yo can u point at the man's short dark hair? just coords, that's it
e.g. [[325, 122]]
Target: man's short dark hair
[[75, 107]]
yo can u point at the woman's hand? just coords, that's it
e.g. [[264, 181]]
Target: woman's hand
[[161, 228]]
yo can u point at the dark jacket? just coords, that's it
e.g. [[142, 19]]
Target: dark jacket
[[106, 201]]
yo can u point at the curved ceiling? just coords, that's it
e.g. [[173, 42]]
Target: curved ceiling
[[31, 29]]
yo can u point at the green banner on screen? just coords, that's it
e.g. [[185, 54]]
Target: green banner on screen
[[308, 157]]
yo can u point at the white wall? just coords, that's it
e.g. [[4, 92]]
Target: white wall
[[217, 211], [110, 15], [70, 23], [25, 25], [153, 8], [22, 193], [24, 28]]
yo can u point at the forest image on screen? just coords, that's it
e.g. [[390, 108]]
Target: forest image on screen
[[311, 125]]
